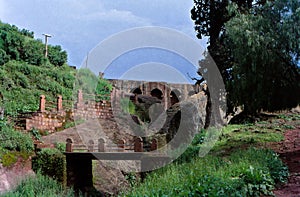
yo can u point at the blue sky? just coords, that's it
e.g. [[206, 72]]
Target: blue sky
[[79, 25]]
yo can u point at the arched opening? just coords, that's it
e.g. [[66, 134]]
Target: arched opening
[[175, 95], [137, 91], [157, 93]]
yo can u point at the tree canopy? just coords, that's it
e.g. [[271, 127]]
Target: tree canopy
[[255, 45], [20, 45]]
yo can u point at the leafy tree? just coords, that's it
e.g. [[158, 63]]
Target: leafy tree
[[266, 50], [210, 18], [103, 89], [12, 43]]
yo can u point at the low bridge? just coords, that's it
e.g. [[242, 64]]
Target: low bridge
[[79, 164]]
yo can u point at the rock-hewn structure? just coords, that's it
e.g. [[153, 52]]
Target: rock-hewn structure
[[168, 93], [138, 91]]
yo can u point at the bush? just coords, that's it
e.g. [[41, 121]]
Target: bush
[[8, 159], [50, 162]]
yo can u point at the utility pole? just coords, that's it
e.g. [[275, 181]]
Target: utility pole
[[46, 43]]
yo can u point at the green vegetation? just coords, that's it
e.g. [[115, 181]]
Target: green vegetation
[[251, 172], [50, 162], [70, 124], [60, 146], [255, 45], [237, 136], [25, 73], [22, 84], [11, 157], [40, 186], [234, 167], [13, 140], [127, 106], [267, 81], [93, 87], [20, 45]]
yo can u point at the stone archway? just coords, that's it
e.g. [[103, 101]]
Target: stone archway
[[157, 93], [137, 91]]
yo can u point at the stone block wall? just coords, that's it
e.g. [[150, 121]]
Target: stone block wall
[[90, 110], [47, 121], [51, 120]]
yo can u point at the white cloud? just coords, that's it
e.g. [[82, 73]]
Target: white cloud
[[115, 16]]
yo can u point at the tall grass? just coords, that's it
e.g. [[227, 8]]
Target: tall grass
[[40, 186]]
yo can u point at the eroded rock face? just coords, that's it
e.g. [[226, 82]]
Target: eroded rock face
[[11, 177], [188, 115]]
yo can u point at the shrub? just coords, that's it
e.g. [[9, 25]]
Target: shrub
[[36, 133], [21, 84], [50, 162]]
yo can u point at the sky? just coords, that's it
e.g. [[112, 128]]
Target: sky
[[80, 25]]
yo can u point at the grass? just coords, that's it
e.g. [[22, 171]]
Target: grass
[[248, 172], [236, 166], [40, 186], [237, 136]]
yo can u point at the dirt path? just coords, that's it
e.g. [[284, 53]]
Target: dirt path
[[289, 151]]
